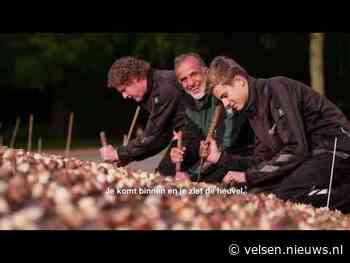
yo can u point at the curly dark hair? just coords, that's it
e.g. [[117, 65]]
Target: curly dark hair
[[125, 69], [222, 70]]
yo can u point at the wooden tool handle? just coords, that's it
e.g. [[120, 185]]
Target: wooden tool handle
[[215, 120], [133, 124], [219, 109], [125, 140], [179, 146]]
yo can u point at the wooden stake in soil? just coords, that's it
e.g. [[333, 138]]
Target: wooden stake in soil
[[30, 133], [40, 145], [1, 138], [69, 137], [103, 139], [179, 146], [15, 131], [133, 124]]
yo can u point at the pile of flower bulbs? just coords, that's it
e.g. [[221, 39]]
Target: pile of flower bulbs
[[40, 191]]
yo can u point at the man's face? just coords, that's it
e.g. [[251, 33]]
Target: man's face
[[135, 90], [233, 95], [192, 77]]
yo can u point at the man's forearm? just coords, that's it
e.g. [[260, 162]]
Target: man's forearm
[[140, 149], [234, 161]]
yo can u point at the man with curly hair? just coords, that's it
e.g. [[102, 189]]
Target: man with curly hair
[[157, 92]]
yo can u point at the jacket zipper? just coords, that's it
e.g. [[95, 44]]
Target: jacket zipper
[[273, 128]]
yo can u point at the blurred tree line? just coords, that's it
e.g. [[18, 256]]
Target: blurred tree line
[[53, 74]]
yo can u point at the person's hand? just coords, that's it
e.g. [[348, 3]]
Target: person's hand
[[177, 155], [109, 154], [204, 149], [182, 176], [213, 153], [235, 178]]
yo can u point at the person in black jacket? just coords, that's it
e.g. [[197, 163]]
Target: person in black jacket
[[296, 130], [158, 93], [232, 135]]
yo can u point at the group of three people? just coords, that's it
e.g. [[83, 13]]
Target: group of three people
[[277, 135]]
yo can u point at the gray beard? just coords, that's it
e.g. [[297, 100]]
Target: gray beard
[[229, 111]]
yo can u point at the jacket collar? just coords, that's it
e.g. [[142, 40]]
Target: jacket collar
[[251, 106], [150, 83]]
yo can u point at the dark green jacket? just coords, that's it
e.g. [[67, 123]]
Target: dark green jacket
[[233, 133]]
